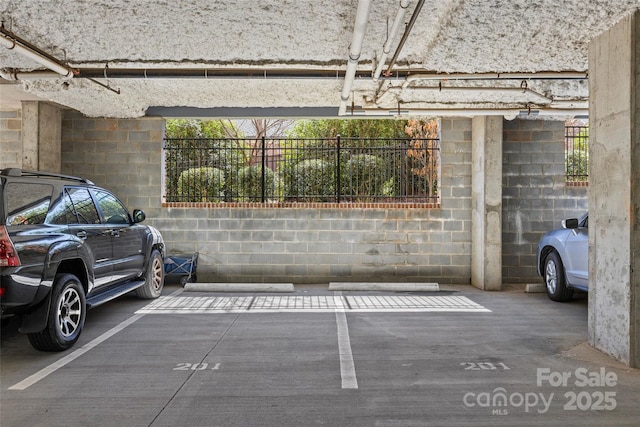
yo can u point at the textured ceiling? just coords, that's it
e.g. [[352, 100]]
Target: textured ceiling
[[279, 55]]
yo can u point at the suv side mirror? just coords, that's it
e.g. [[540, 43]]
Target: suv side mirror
[[138, 215], [570, 223]]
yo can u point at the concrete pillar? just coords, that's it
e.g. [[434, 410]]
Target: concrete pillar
[[41, 136], [614, 191], [486, 200]]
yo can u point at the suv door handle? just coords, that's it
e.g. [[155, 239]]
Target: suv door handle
[[115, 233], [82, 234]]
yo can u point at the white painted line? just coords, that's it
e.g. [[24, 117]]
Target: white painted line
[[45, 372], [347, 367], [312, 304]]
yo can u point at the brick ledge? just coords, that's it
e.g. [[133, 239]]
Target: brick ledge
[[280, 205]]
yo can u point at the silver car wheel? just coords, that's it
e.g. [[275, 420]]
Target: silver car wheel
[[551, 276], [69, 314]]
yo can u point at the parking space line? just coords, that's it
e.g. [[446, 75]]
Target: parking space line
[[347, 367], [41, 374], [46, 371]]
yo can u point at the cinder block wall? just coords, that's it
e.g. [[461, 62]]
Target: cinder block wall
[[300, 245], [535, 195], [123, 155], [307, 245], [10, 139]]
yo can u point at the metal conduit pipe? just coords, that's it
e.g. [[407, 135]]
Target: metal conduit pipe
[[57, 67], [545, 75], [407, 30], [472, 89], [285, 73], [508, 113], [362, 18], [395, 27]]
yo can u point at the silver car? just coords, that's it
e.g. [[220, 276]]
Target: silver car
[[563, 258]]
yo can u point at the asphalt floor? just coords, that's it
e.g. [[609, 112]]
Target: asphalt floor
[[456, 357]]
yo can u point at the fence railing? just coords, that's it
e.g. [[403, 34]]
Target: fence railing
[[576, 153], [332, 170]]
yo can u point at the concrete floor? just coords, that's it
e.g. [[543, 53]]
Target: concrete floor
[[402, 359]]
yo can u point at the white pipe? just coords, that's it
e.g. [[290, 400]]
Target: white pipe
[[362, 18], [9, 43], [395, 27], [29, 75]]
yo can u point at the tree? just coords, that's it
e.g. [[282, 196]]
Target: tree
[[191, 128], [422, 162], [577, 151], [184, 150], [349, 128]]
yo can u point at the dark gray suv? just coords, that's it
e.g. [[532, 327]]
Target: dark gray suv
[[67, 245]]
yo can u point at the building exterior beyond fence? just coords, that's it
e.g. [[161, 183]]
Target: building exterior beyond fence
[[311, 244]]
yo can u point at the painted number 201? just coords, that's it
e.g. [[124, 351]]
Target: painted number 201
[[484, 366], [195, 367]]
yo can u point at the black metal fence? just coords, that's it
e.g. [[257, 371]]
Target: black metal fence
[[577, 153], [333, 170]]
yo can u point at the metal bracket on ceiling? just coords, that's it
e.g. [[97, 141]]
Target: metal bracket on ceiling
[[106, 85]]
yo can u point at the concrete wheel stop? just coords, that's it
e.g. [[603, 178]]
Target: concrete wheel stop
[[239, 287], [388, 287]]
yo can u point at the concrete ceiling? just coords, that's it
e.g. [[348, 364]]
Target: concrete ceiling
[[289, 57]]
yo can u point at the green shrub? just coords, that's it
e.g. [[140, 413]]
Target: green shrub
[[250, 184], [577, 166], [201, 185], [310, 180], [363, 177]]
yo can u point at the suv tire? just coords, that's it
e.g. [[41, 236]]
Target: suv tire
[[153, 278], [67, 313]]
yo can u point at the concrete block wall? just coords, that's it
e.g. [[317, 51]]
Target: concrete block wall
[[123, 155], [535, 194], [310, 245], [300, 245], [10, 139]]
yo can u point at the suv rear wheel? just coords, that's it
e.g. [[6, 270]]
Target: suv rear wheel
[[66, 318]]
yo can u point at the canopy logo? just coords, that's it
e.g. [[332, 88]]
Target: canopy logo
[[593, 393]]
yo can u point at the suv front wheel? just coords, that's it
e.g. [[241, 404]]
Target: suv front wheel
[[67, 314], [153, 278]]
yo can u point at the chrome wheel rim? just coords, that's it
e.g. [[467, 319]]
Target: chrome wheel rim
[[551, 277], [69, 312]]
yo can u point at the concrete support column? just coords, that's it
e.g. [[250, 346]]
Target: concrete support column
[[41, 136], [486, 200], [614, 191]]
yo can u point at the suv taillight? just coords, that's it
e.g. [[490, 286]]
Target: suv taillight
[[8, 255]]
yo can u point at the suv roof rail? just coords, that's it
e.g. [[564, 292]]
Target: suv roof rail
[[22, 172]]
